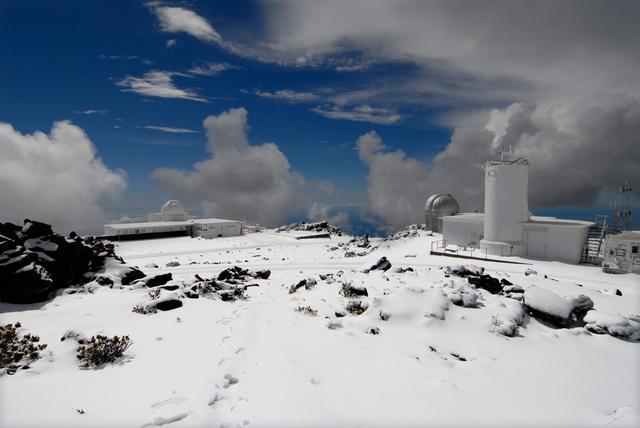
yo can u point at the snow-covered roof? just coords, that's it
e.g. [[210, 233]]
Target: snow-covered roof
[[552, 221], [465, 216], [626, 236], [169, 223], [534, 220]]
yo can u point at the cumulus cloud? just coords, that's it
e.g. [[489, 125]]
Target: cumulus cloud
[[575, 151], [56, 178], [321, 212], [288, 95], [174, 19], [239, 180], [361, 113], [158, 84], [171, 130], [397, 184], [170, 43]]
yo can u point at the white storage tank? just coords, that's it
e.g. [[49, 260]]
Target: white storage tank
[[505, 206]]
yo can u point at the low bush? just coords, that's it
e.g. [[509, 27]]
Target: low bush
[[103, 349], [18, 351], [144, 310], [155, 293], [356, 307], [307, 310]]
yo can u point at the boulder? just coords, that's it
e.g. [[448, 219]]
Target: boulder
[[616, 325], [35, 261], [547, 306], [581, 305], [156, 280], [464, 270], [130, 275], [382, 264], [307, 283], [166, 303], [36, 229], [487, 282], [262, 274]]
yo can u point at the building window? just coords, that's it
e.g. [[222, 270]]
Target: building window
[[634, 249], [611, 252], [620, 252]]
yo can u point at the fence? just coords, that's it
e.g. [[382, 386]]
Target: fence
[[441, 248]]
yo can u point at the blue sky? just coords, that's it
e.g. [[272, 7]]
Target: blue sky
[[313, 92]]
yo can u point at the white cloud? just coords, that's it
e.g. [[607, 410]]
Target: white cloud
[[171, 130], [211, 68], [576, 152], [321, 212], [56, 178], [178, 19], [91, 111], [170, 43], [158, 84], [397, 185], [288, 95], [361, 113], [239, 180]]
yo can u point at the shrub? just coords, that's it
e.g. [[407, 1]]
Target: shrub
[[349, 290], [307, 310], [103, 349], [144, 310], [17, 351], [172, 263], [356, 307], [154, 294]]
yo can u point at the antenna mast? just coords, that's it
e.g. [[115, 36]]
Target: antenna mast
[[622, 214]]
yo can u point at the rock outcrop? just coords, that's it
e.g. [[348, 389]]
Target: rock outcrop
[[35, 261]]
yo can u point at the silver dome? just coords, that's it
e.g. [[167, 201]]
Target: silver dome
[[442, 204], [437, 206]]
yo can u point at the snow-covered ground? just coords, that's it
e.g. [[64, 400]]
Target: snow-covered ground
[[261, 362]]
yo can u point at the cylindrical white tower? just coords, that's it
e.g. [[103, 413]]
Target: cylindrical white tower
[[505, 206]]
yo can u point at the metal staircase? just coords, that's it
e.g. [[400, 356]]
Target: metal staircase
[[593, 250]]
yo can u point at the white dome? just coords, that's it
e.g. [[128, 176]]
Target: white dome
[[174, 211]]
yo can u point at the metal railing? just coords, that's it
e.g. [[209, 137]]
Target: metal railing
[[441, 247]]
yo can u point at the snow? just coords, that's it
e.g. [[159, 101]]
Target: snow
[[548, 302], [613, 324], [35, 243], [261, 362]]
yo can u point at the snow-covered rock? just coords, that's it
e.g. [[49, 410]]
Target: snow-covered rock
[[602, 322], [548, 306]]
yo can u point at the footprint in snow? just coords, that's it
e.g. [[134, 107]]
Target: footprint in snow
[[230, 380], [160, 421], [168, 401]]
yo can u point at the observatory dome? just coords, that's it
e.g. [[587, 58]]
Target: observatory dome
[[439, 205], [442, 204], [173, 211]]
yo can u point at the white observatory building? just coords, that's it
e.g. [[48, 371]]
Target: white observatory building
[[507, 228], [173, 220]]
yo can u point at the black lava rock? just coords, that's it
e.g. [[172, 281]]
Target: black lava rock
[[156, 280]]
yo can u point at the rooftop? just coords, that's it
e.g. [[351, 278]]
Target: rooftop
[[633, 235], [169, 223]]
